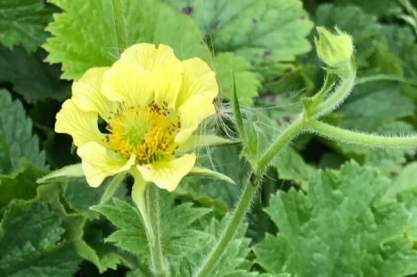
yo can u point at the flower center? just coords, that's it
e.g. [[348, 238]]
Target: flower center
[[148, 132]]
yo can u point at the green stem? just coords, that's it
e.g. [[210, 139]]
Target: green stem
[[112, 187], [230, 229], [341, 92], [283, 138], [118, 22], [248, 193], [339, 134], [146, 198]]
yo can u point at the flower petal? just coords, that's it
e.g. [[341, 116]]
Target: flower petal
[[129, 83], [99, 162], [165, 68], [81, 125], [198, 78], [87, 95], [168, 174], [194, 110]]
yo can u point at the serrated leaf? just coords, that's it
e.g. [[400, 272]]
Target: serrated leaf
[[339, 227], [179, 233], [84, 35], [292, 167], [22, 22], [234, 259], [30, 76], [130, 235], [39, 249], [94, 249], [232, 69], [16, 129], [78, 230], [19, 184], [267, 31]]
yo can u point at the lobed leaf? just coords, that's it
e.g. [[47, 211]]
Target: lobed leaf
[[264, 32], [22, 22], [340, 226], [16, 132], [84, 34]]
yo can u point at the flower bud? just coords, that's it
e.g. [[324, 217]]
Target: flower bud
[[334, 49]]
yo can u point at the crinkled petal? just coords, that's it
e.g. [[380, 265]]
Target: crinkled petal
[[168, 174], [87, 94], [165, 69], [198, 78], [99, 162], [129, 83], [81, 125], [192, 113]]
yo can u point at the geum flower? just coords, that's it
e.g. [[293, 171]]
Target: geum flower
[[148, 104]]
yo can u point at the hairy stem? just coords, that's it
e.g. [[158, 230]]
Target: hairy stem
[[159, 262], [248, 194], [341, 92], [283, 139], [230, 229], [119, 25], [146, 198], [339, 134]]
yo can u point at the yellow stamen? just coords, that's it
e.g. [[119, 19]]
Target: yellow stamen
[[148, 132]]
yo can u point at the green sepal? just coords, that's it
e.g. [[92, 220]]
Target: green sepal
[[218, 175], [74, 171]]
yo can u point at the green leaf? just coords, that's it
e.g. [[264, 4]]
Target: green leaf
[[374, 104], [16, 129], [292, 167], [19, 184], [231, 68], [404, 189], [130, 235], [234, 261], [94, 249], [182, 228], [33, 241], [391, 160], [82, 39], [69, 171], [270, 31], [378, 7], [22, 22], [87, 241], [340, 226], [81, 197], [215, 193], [30, 77]]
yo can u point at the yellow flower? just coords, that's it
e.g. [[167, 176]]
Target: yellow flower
[[148, 105]]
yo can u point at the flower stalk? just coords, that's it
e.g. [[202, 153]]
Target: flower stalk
[[146, 198]]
